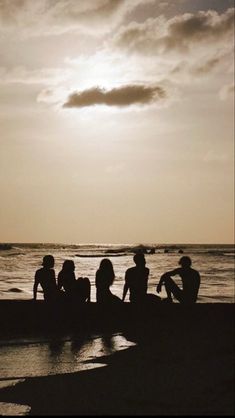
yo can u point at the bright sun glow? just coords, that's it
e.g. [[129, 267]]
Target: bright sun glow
[[103, 70]]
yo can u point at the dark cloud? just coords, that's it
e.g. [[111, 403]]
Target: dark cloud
[[178, 33], [199, 27], [207, 66], [122, 96]]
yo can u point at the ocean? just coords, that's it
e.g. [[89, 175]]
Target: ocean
[[18, 263]]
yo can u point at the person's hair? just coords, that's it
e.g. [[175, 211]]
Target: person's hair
[[68, 265], [48, 261], [139, 258], [106, 266], [185, 261]]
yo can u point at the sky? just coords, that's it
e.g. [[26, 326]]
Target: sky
[[116, 121]]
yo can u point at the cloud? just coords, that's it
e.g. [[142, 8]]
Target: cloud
[[207, 66], [22, 75], [180, 33], [227, 91], [122, 96], [60, 16], [180, 49]]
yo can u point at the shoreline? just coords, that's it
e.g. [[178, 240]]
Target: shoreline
[[183, 364]]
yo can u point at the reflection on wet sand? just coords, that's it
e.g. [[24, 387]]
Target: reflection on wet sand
[[22, 359], [9, 409], [57, 356]]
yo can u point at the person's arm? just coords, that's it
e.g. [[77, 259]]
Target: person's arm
[[166, 276], [198, 282], [35, 286], [54, 278], [147, 277], [125, 289], [59, 282], [97, 275], [88, 290]]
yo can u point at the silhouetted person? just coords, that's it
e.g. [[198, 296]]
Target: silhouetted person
[[136, 280], [79, 289], [45, 276], [67, 279], [103, 280], [190, 282], [83, 289]]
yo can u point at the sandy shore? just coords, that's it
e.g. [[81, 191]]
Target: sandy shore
[[183, 364]]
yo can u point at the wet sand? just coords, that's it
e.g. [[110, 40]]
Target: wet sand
[[183, 364]]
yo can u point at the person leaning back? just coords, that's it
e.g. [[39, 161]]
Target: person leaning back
[[190, 283]]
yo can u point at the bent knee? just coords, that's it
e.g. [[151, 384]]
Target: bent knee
[[169, 280]]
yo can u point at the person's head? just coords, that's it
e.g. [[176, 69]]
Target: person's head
[[68, 265], [106, 266], [48, 261], [185, 261], [139, 260]]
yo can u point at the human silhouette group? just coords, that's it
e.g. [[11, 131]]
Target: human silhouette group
[[78, 290]]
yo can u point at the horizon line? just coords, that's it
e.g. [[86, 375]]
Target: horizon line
[[117, 243]]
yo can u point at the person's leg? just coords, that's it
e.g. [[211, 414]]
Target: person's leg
[[151, 298], [172, 289]]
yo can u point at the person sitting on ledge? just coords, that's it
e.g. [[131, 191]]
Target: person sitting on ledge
[[103, 280], [67, 279], [190, 282], [136, 280], [78, 290], [45, 276], [83, 289]]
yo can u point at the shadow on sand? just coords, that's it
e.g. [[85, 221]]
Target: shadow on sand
[[183, 364]]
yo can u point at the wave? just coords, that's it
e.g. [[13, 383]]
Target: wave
[[219, 253], [101, 255], [12, 255], [15, 290]]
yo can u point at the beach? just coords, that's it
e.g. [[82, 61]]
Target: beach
[[214, 262], [182, 363], [117, 208]]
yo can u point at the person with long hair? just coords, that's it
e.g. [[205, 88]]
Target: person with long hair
[[67, 279], [76, 289], [103, 280]]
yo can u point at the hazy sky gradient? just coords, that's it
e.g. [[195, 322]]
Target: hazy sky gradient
[[116, 121]]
